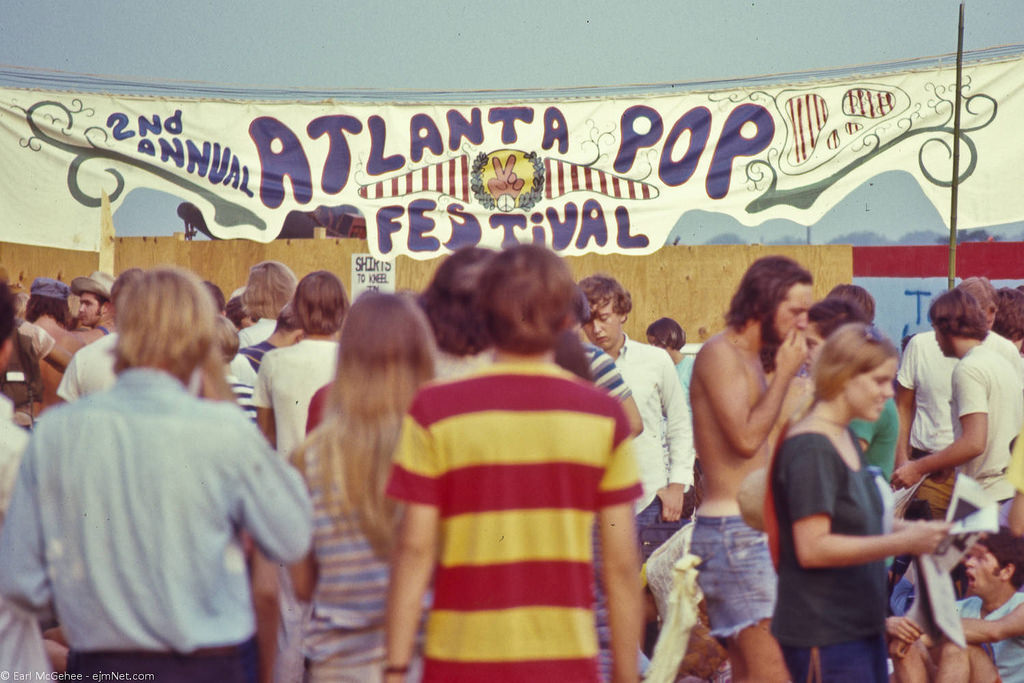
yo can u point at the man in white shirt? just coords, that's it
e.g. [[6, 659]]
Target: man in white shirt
[[287, 379], [92, 367], [987, 400], [651, 376], [924, 392], [988, 299], [289, 376]]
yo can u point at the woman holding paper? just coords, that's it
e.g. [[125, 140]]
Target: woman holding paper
[[834, 529]]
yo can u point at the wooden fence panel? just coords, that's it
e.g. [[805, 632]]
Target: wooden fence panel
[[692, 284], [24, 263]]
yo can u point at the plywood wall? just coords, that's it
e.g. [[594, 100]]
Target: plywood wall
[[25, 263], [692, 284]]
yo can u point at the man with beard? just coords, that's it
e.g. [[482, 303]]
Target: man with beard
[[96, 308], [735, 408]]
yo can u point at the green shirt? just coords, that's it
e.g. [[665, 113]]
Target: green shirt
[[881, 436]]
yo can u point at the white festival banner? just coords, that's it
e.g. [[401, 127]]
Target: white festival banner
[[609, 174]]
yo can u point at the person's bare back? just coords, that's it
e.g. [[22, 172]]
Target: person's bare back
[[51, 376]]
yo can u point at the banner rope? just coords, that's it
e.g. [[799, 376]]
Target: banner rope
[[34, 78]]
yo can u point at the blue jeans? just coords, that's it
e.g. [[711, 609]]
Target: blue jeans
[[239, 666], [652, 530], [855, 661]]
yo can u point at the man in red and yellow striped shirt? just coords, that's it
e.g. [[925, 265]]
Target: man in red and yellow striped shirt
[[503, 473]]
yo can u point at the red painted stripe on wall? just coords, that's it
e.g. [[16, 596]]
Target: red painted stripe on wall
[[994, 260]]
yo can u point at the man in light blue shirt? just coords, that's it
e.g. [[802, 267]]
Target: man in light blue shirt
[[128, 515], [992, 616]]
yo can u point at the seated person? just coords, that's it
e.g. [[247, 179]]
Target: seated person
[[992, 617]]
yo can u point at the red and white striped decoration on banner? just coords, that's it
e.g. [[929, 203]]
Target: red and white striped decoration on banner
[[563, 177], [872, 104], [807, 116], [448, 177]]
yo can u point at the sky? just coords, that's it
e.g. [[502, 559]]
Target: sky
[[459, 45], [307, 48]]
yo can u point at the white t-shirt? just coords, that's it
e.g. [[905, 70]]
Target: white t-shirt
[[91, 369], [1007, 350], [241, 368], [258, 332], [926, 371], [985, 382], [286, 382]]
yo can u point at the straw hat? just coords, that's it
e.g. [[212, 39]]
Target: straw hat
[[99, 283]]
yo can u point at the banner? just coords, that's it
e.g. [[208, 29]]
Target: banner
[[606, 175]]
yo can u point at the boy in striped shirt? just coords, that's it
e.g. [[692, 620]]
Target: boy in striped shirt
[[502, 473]]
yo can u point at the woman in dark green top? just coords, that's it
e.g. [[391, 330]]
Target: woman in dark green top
[[834, 531]]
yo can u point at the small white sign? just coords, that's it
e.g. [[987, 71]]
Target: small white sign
[[371, 274]]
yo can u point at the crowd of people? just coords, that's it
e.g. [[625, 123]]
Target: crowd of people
[[465, 483]]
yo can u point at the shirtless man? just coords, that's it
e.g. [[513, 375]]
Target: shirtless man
[[48, 308], [735, 408]]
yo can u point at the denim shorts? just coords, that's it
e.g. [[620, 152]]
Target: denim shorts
[[736, 573]]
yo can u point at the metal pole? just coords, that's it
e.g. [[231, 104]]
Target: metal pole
[[956, 151]]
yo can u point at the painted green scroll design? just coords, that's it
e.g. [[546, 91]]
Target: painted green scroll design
[[226, 213], [804, 197]]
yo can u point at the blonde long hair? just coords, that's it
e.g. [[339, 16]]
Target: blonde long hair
[[386, 352]]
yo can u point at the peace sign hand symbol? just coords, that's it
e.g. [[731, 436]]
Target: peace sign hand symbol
[[505, 181]]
